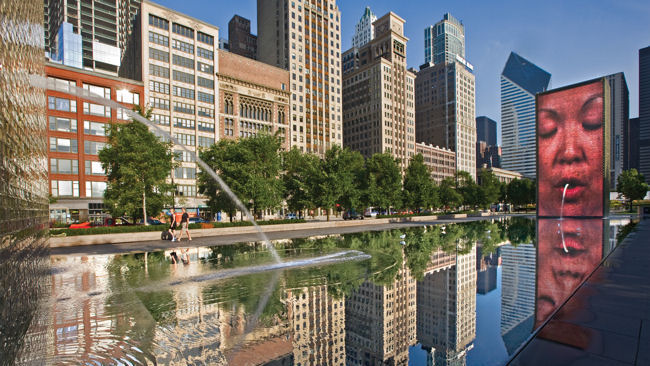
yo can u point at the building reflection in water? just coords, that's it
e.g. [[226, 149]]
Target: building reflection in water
[[380, 321], [446, 310], [486, 270], [569, 250]]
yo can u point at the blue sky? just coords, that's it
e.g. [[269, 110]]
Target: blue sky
[[573, 40]]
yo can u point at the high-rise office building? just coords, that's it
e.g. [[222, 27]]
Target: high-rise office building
[[644, 112], [105, 27], [619, 115], [444, 111], [631, 144], [486, 130], [520, 81], [305, 38], [240, 39], [179, 62], [379, 108], [364, 31], [444, 41]]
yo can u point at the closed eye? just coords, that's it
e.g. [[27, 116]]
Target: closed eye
[[591, 113], [547, 124]]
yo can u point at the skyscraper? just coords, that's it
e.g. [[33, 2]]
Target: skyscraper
[[632, 144], [620, 114], [305, 38], [364, 30], [444, 111], [444, 41], [378, 122], [644, 112], [520, 81], [105, 27], [486, 130], [240, 39]]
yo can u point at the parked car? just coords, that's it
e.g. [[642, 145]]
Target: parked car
[[352, 215], [370, 213], [116, 221], [291, 216], [198, 220]]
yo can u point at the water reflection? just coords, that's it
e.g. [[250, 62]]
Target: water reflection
[[412, 303]]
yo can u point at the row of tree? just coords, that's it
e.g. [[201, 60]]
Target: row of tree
[[264, 177]]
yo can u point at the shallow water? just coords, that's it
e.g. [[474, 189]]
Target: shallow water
[[458, 293]]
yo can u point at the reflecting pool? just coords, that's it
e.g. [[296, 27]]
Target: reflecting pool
[[468, 293]]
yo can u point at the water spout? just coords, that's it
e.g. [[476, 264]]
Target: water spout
[[566, 186]]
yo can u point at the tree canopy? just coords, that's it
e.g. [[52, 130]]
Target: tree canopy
[[631, 185]]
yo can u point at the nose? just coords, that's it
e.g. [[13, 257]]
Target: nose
[[571, 150]]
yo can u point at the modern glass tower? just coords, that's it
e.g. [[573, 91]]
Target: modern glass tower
[[444, 41], [644, 112], [520, 81]]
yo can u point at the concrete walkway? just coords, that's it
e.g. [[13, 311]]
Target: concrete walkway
[[607, 320]]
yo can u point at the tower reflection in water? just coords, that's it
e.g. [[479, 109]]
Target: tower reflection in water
[[568, 252]]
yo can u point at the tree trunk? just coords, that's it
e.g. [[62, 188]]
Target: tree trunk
[[144, 207], [328, 214]]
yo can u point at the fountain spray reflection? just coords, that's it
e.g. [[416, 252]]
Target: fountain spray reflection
[[41, 82]]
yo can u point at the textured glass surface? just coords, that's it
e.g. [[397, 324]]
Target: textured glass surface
[[23, 185]]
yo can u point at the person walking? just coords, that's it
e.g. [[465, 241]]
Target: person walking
[[172, 225], [185, 221]]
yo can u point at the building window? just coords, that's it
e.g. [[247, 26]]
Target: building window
[[95, 128], [94, 168], [205, 97], [202, 52], [206, 83], [208, 69], [63, 145], [60, 84], [97, 110], [98, 90], [183, 108], [183, 123], [183, 30], [185, 139], [93, 147], [61, 104], [159, 71], [206, 112], [158, 55], [205, 141], [182, 155], [64, 166], [183, 61], [183, 92], [158, 87], [125, 96], [205, 38], [95, 189], [65, 188], [182, 46], [158, 39], [206, 126], [159, 103], [63, 124], [185, 173], [186, 190], [158, 22], [183, 77]]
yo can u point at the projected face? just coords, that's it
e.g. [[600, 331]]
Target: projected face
[[570, 151], [568, 250]]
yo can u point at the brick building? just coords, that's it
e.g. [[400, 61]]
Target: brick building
[[253, 96], [440, 161], [76, 133]]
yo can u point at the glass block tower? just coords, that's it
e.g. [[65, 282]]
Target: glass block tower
[[444, 41], [520, 81]]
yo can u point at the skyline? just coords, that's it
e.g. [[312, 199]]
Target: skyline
[[492, 31]]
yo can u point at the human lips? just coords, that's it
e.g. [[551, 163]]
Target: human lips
[[574, 186]]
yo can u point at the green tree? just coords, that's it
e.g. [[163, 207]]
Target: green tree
[[137, 165], [449, 197], [250, 167], [300, 172], [468, 189], [521, 192], [419, 189], [631, 185], [491, 188], [384, 181], [338, 179]]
